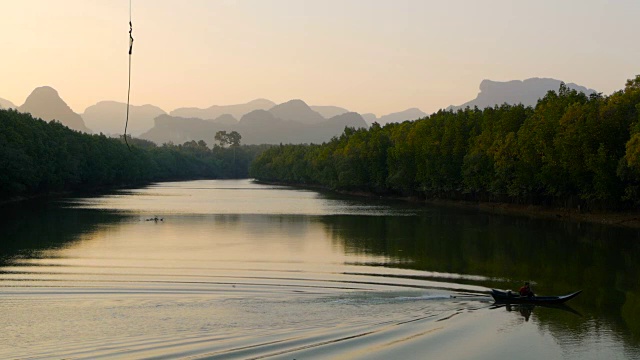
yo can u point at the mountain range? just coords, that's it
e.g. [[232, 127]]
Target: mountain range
[[526, 92], [109, 117], [290, 122], [215, 111], [258, 121]]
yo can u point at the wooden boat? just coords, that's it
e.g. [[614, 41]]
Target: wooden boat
[[510, 297]]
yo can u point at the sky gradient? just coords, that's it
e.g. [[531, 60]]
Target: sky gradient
[[377, 56]]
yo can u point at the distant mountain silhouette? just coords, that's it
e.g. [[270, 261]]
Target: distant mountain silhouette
[[256, 127], [45, 103], [398, 117], [297, 111], [177, 130], [287, 119], [169, 129], [215, 111], [259, 118], [328, 112], [262, 127], [526, 92], [109, 117], [323, 132], [6, 104], [370, 118], [225, 119], [351, 119]]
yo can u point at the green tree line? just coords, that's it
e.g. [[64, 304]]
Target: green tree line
[[38, 157], [570, 150]]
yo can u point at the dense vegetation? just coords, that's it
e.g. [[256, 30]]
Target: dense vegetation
[[37, 157], [570, 150]]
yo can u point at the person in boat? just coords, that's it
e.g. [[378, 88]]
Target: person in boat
[[525, 290]]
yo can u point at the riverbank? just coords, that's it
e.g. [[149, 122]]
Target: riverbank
[[85, 192], [629, 219], [52, 195], [626, 219]]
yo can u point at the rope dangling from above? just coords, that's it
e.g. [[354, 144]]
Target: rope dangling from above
[[129, 88]]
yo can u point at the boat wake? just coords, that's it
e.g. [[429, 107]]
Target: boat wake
[[89, 312]]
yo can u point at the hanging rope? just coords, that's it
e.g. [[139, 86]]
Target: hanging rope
[[126, 124]]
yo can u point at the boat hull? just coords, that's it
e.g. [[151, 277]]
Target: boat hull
[[508, 297]]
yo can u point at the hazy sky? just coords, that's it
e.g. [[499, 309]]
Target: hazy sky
[[377, 56]]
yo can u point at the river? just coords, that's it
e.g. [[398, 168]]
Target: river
[[241, 270]]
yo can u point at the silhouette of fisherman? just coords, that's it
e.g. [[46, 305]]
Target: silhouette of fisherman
[[525, 290]]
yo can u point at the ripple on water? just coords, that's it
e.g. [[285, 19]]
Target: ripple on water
[[101, 313]]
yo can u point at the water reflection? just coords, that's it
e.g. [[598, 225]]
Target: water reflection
[[279, 243], [31, 228], [525, 310], [559, 257]]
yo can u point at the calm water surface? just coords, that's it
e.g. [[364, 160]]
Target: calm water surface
[[235, 269]]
